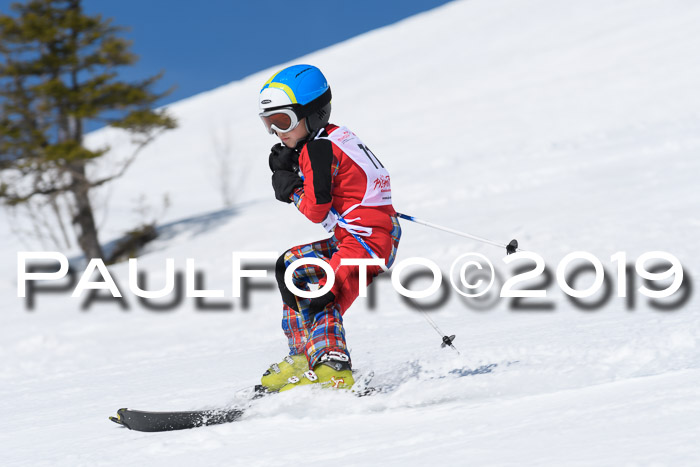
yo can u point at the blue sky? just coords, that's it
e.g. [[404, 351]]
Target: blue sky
[[207, 43]]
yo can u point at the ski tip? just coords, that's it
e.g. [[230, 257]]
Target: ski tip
[[120, 418], [117, 420]]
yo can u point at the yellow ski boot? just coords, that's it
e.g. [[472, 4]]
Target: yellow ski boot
[[279, 373], [332, 372]]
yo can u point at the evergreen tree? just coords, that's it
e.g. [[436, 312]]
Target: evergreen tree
[[58, 70]]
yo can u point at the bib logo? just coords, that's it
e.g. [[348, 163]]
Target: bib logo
[[382, 182], [346, 136]]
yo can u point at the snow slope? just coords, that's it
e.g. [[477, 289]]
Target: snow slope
[[570, 126]]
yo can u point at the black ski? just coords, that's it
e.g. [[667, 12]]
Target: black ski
[[140, 420]]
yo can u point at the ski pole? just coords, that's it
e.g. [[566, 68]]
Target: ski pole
[[511, 247], [446, 340]]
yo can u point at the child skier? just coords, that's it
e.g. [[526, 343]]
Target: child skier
[[323, 169]]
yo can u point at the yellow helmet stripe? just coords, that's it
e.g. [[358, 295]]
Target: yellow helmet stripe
[[271, 78], [286, 89]]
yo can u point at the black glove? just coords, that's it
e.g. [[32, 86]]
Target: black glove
[[284, 184], [283, 158]]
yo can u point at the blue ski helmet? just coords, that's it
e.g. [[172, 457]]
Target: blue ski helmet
[[302, 88]]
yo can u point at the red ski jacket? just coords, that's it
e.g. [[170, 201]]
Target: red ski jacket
[[333, 179]]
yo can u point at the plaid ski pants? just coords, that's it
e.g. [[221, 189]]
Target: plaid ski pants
[[316, 334]]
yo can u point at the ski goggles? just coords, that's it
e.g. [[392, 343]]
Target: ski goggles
[[279, 120]]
